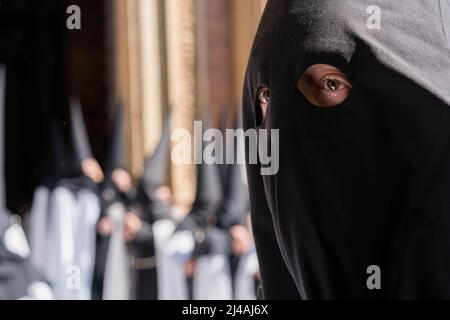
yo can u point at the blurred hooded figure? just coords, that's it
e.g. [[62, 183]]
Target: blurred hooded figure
[[232, 218], [152, 188], [73, 209], [126, 241], [18, 277], [38, 218], [154, 197], [360, 94], [170, 250], [113, 279], [207, 268]]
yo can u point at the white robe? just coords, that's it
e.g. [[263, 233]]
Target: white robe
[[88, 212], [172, 253], [61, 242], [117, 279], [16, 242], [244, 288], [212, 280], [71, 243], [38, 227]]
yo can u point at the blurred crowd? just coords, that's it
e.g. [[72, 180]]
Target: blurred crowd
[[94, 233]]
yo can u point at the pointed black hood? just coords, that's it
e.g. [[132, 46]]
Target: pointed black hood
[[209, 192], [2, 136], [224, 168], [364, 183], [208, 195], [4, 214], [58, 148], [61, 161], [116, 149], [156, 165], [236, 196], [80, 138], [235, 205]]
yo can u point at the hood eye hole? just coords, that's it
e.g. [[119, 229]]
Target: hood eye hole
[[324, 86], [262, 104]]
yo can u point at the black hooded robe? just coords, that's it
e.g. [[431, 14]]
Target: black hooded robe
[[71, 213], [366, 183], [138, 270], [18, 277]]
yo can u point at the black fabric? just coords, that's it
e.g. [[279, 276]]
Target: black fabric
[[142, 248], [208, 198], [234, 208], [58, 157], [109, 196], [2, 135], [155, 176], [365, 183], [146, 285], [82, 146], [101, 254], [155, 168], [234, 265], [16, 273], [221, 202], [115, 157], [203, 217]]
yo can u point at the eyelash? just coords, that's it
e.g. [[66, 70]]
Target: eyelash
[[264, 95], [339, 79]]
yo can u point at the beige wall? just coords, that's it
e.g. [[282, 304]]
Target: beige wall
[[181, 57], [246, 16]]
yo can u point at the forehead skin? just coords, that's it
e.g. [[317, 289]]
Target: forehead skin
[[411, 32]]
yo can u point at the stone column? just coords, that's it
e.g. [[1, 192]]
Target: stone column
[[153, 71], [128, 78], [246, 17], [141, 75], [181, 57]]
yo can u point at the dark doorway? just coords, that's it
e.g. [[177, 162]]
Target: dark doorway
[[46, 64]]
